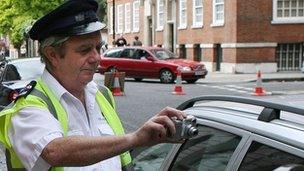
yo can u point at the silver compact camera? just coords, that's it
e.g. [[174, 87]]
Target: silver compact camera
[[185, 128]]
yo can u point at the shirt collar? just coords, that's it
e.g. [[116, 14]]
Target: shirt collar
[[58, 90]]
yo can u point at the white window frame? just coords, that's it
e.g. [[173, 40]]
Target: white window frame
[[197, 24], [135, 16], [127, 18], [286, 20], [182, 14], [160, 15], [110, 20], [120, 18], [215, 13]]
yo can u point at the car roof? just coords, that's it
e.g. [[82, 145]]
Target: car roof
[[23, 59], [137, 47], [287, 128]]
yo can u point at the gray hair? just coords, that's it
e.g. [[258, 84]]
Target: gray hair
[[55, 41]]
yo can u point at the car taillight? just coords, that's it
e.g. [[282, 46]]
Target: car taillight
[[12, 95]]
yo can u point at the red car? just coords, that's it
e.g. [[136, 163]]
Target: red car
[[151, 62]]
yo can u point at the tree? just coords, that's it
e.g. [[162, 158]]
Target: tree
[[17, 15], [102, 10]]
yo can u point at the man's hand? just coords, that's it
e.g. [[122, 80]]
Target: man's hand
[[156, 129]]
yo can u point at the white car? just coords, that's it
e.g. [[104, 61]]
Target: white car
[[234, 134], [15, 75]]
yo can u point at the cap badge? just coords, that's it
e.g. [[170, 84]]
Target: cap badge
[[79, 17]]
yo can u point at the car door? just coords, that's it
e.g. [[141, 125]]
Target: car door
[[144, 68], [126, 62], [262, 153], [215, 148]]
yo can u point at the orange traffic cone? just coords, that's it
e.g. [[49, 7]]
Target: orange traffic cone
[[178, 89], [259, 90], [116, 90]]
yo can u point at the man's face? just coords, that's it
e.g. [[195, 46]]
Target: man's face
[[82, 56]]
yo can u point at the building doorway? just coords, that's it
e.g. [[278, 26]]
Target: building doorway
[[150, 33], [171, 37], [197, 53], [219, 58]]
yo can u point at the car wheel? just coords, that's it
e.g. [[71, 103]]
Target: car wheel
[[166, 76], [191, 81], [138, 79]]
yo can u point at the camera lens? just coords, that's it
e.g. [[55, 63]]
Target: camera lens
[[192, 132]]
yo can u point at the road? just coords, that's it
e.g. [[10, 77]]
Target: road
[[144, 99]]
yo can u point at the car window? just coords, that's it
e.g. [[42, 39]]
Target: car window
[[152, 158], [127, 53], [23, 70], [114, 53], [163, 54], [211, 150], [263, 157], [11, 73], [140, 54]]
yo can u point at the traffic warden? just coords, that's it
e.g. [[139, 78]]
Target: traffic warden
[[62, 121]]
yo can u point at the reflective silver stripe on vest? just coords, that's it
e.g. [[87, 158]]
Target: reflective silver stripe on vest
[[104, 91], [47, 100]]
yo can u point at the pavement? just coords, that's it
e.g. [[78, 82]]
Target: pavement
[[218, 77]]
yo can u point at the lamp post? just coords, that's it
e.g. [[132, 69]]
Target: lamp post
[[113, 20]]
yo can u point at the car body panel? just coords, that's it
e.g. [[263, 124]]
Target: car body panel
[[143, 62]]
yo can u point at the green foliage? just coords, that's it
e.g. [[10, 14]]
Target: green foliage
[[16, 16], [102, 11]]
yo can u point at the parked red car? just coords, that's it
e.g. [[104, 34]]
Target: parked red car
[[150, 62]]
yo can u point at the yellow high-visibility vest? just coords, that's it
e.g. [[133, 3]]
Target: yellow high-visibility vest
[[41, 97]]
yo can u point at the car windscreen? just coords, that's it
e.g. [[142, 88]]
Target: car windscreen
[[113, 53], [23, 70], [163, 54]]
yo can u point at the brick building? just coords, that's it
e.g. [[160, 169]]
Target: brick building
[[230, 36]]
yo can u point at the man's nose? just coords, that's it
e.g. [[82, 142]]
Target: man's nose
[[95, 57]]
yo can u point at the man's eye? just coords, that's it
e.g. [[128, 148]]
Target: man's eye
[[86, 50]]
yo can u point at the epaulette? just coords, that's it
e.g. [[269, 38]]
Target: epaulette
[[26, 90]]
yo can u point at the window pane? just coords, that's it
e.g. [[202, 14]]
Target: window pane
[[280, 13], [198, 3], [286, 4], [280, 4], [262, 157], [286, 13], [152, 158], [294, 3], [219, 16], [210, 150], [199, 12], [301, 13], [301, 3], [115, 53], [294, 13], [199, 18]]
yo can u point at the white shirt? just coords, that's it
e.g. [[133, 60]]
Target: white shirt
[[33, 128]]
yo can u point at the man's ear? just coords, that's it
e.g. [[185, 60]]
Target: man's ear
[[52, 56]]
